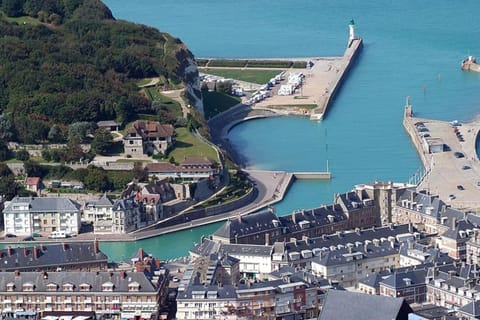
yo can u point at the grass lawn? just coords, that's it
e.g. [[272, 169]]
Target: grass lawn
[[23, 20], [188, 145], [217, 102], [247, 75], [172, 105]]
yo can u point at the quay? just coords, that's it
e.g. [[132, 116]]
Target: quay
[[313, 175], [452, 168], [321, 82]]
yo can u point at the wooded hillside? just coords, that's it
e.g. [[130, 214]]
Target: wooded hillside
[[71, 61]]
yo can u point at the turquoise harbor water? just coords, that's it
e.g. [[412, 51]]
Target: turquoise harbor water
[[411, 49]]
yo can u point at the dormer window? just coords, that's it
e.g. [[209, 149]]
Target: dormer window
[[67, 287], [52, 287], [85, 287], [28, 286], [10, 286], [134, 286], [107, 286]]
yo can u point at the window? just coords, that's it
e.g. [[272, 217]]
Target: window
[[28, 286], [134, 286], [84, 287], [68, 287], [52, 287], [107, 286]]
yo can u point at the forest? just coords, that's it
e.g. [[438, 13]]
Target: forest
[[72, 61]]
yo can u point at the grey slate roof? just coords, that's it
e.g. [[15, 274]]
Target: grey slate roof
[[250, 224], [430, 205], [94, 279], [247, 249], [267, 221], [343, 255], [472, 309], [353, 202], [398, 279], [362, 306], [348, 237], [50, 256], [44, 204], [459, 232]]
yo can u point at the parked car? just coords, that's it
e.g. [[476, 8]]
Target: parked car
[[29, 238], [458, 155], [10, 235], [460, 187], [451, 197], [466, 167]]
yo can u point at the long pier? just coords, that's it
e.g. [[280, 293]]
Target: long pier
[[313, 175], [448, 154], [345, 64]]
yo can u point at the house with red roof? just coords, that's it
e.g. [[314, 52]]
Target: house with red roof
[[33, 184], [148, 137]]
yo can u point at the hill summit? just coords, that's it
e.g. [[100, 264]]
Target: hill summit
[[66, 61]]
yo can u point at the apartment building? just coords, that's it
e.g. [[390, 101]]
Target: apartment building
[[26, 216], [108, 295]]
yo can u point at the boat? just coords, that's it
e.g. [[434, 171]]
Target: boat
[[470, 64]]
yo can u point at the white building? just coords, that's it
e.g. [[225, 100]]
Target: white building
[[25, 216]]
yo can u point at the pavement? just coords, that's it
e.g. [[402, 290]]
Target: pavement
[[449, 172], [316, 87]]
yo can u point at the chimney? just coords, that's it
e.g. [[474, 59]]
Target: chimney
[[25, 251], [410, 227], [267, 238], [9, 251], [123, 274], [96, 248], [139, 266], [44, 275], [111, 274], [17, 273], [294, 241], [35, 252], [294, 218], [454, 223], [148, 268], [64, 246]]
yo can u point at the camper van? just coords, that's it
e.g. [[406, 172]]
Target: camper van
[[58, 235]]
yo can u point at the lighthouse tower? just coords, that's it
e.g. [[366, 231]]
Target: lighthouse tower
[[351, 27]]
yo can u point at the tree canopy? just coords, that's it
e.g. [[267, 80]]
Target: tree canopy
[[76, 64]]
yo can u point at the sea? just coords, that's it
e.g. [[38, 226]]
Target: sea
[[411, 48]]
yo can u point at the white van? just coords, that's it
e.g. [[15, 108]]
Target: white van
[[58, 235]]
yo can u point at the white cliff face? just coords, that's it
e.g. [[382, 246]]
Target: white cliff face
[[192, 84]]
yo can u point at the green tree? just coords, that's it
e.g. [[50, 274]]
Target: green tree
[[139, 172], [33, 168], [22, 155], [56, 134], [78, 132], [8, 187], [97, 179], [46, 155], [4, 151], [12, 8], [102, 141]]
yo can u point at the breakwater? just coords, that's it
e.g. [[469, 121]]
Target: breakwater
[[349, 57]]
